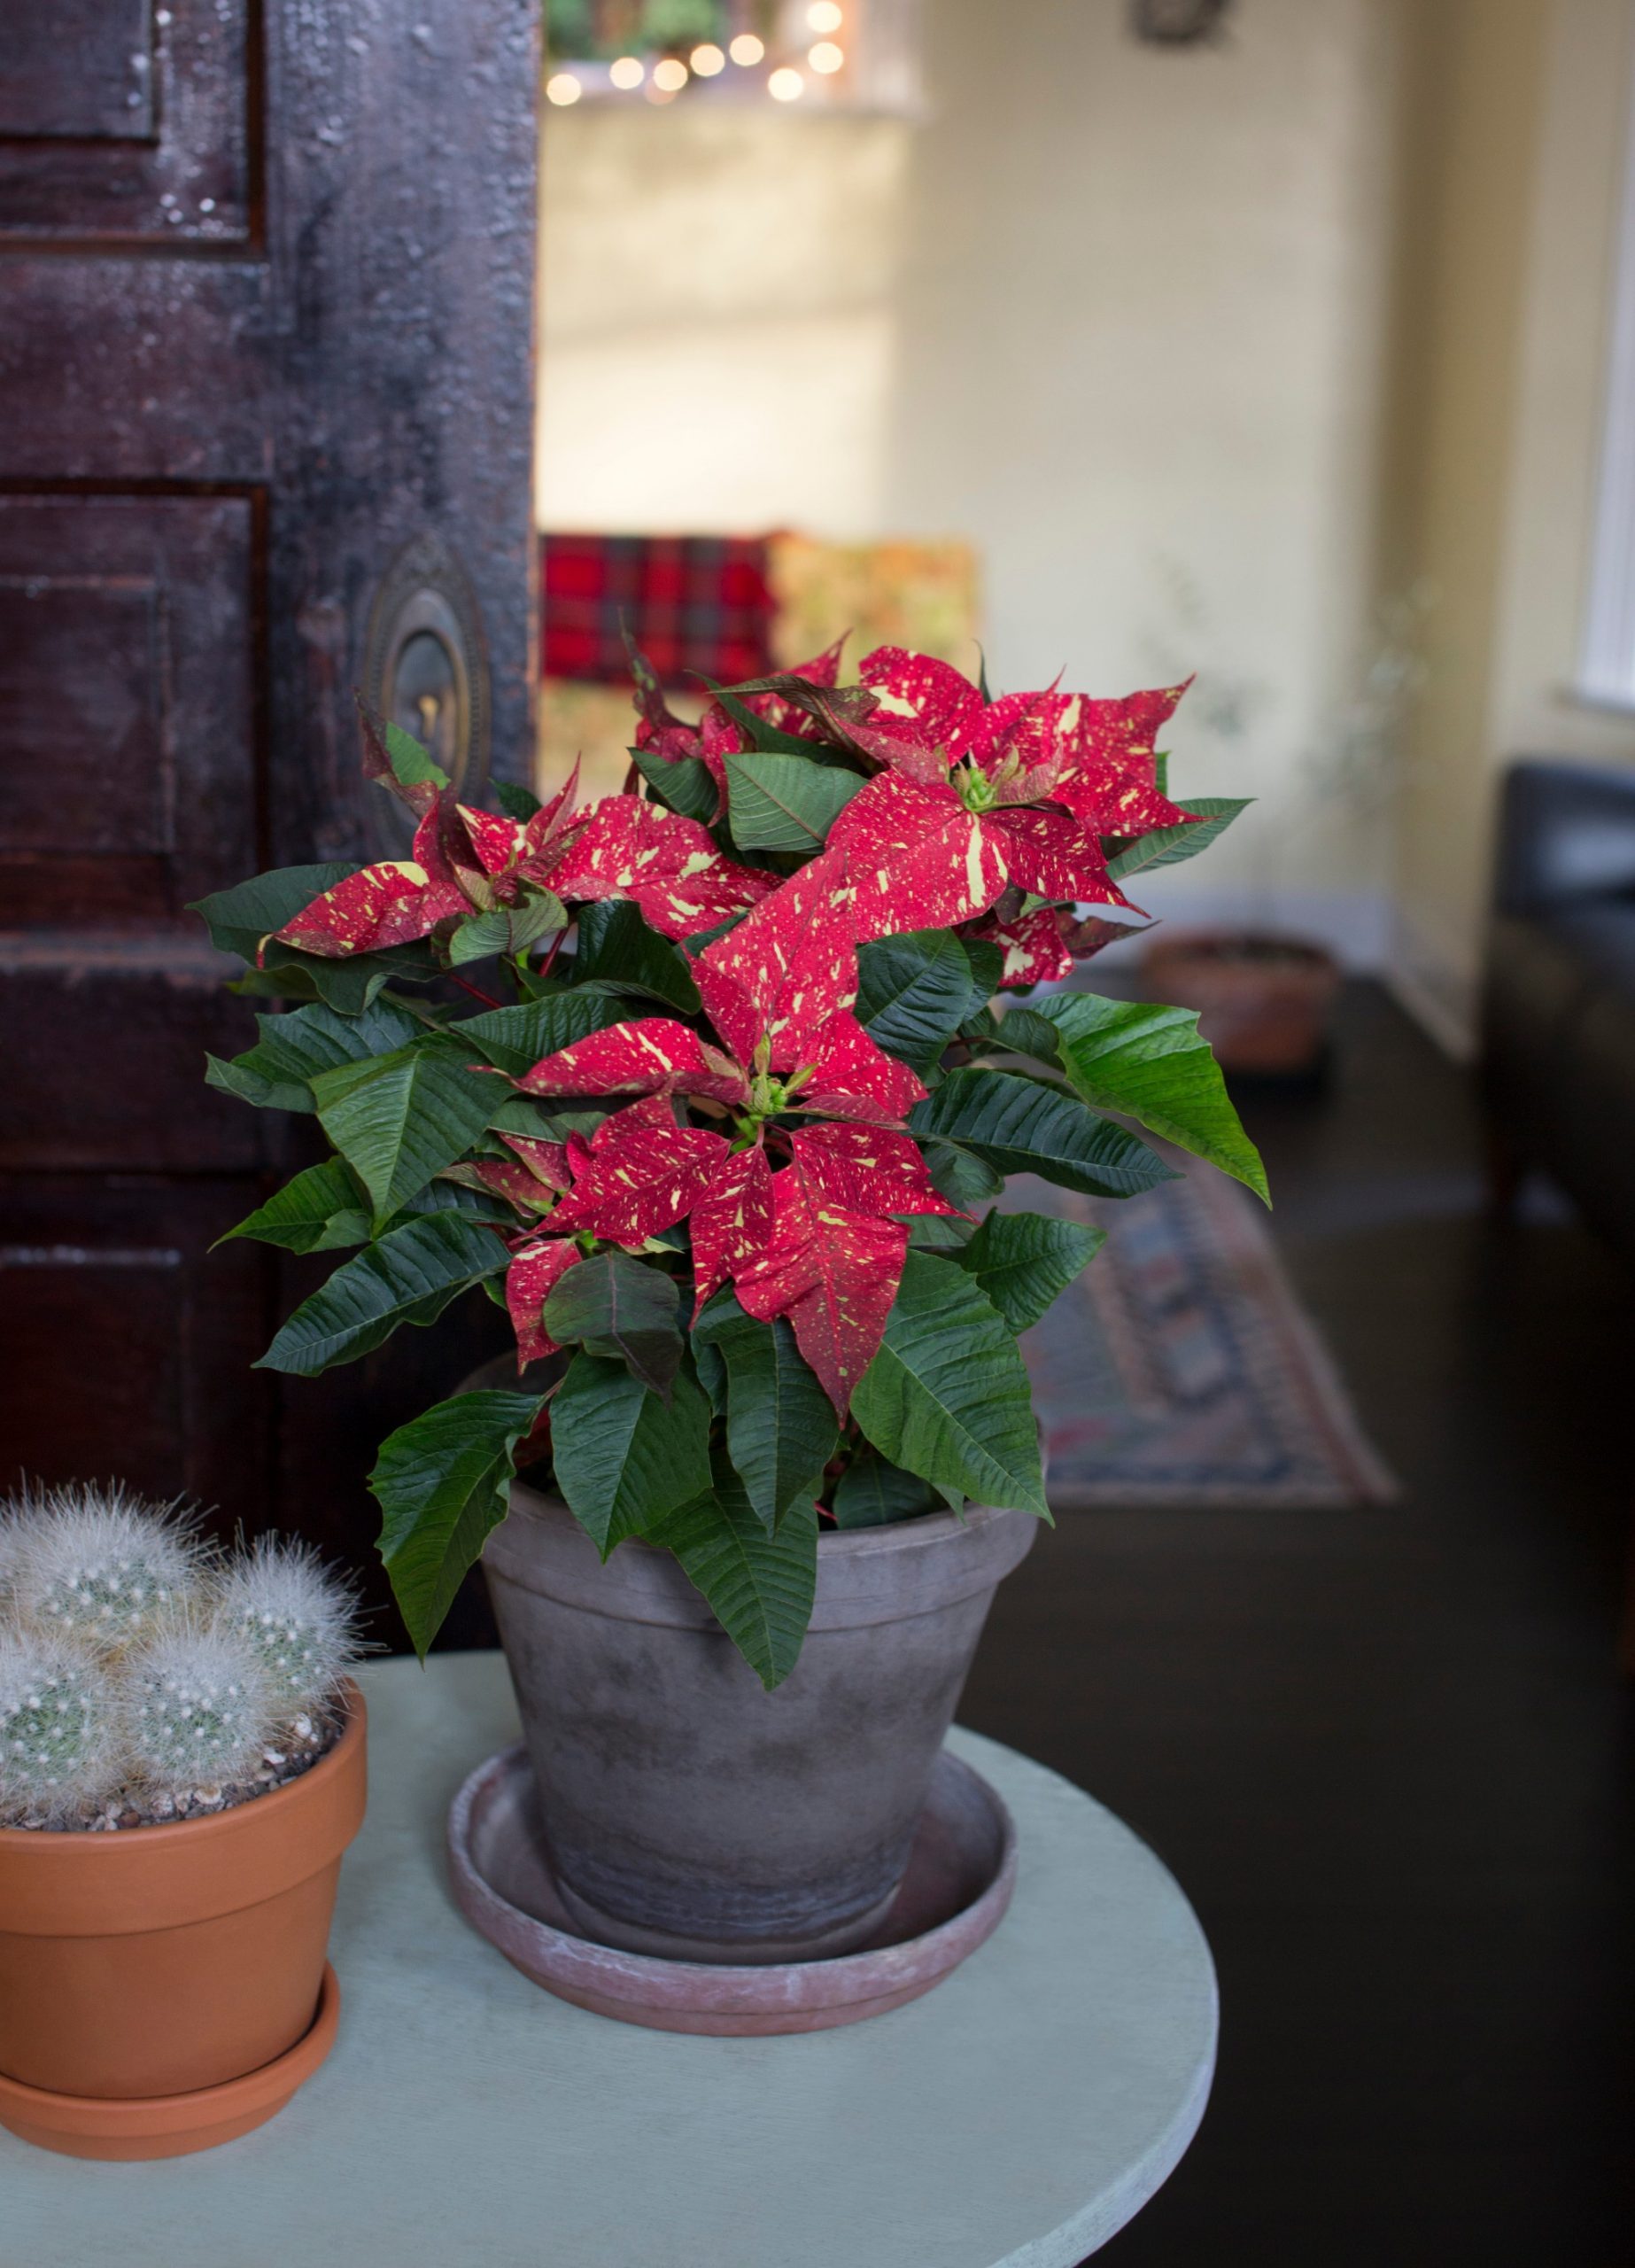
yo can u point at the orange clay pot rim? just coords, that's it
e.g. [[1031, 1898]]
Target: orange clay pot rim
[[164, 1833], [130, 2117]]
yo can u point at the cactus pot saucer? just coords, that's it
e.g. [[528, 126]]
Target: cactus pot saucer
[[958, 1885], [171, 2126]]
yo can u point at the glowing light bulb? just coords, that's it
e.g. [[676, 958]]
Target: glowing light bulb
[[627, 72], [823, 16], [670, 75], [563, 89], [707, 61], [785, 86], [747, 49], [825, 57]]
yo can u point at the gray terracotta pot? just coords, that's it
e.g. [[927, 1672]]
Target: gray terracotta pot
[[688, 1813]]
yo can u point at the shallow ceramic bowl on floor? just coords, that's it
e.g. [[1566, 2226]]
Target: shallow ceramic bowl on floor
[[959, 1880]]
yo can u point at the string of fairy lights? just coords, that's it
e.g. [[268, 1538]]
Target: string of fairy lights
[[816, 63]]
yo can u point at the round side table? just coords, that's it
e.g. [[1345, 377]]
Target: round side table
[[1016, 2117]]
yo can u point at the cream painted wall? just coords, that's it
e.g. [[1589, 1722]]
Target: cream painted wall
[[1521, 110], [1116, 313]]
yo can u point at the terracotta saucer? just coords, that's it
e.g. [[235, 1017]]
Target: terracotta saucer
[[961, 1872], [170, 2125]]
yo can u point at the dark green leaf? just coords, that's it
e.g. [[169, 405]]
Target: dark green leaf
[[960, 1176], [302, 1216], [409, 1277], [616, 948], [1023, 1260], [987, 966], [507, 928], [623, 1457], [400, 1118], [515, 801], [1021, 1126], [516, 1038], [522, 1115], [612, 1304], [780, 1428], [873, 1492], [785, 803], [239, 919], [276, 1073], [684, 786], [940, 1231], [947, 1395], [347, 985], [913, 992], [442, 1483], [1168, 846], [760, 1587], [1151, 1062]]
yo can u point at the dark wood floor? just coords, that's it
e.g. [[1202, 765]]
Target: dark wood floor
[[1386, 1752]]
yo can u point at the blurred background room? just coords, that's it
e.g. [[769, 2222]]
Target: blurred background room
[[1285, 344]]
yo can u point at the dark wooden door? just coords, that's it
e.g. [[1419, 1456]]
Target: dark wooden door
[[266, 433]]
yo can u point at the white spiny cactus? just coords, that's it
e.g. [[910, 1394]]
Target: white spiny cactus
[[198, 1709], [61, 1747], [97, 1567], [143, 1677], [295, 1617]]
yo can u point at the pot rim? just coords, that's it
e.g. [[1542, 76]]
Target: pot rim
[[160, 1835]]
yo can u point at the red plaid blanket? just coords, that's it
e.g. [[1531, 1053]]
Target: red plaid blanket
[[692, 602]]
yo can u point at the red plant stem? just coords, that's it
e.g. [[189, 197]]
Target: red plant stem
[[547, 964], [476, 991]]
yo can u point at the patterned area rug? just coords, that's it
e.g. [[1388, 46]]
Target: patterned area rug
[[1181, 1370]]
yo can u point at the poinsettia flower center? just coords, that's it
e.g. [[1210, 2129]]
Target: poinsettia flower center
[[977, 791]]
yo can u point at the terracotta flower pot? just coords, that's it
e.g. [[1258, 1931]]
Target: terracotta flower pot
[[165, 1963], [689, 1813], [1265, 1001]]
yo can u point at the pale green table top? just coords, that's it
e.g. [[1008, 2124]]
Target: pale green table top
[[1019, 2114]]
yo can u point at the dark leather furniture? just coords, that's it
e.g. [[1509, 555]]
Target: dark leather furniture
[[1558, 1008]]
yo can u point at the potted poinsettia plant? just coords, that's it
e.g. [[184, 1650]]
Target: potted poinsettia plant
[[723, 1135]]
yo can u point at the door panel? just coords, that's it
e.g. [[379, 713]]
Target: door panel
[[125, 123], [128, 705]]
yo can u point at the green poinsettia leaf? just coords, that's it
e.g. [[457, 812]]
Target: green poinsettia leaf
[[1019, 1125], [1168, 846], [612, 1304], [764, 739], [443, 1483], [780, 1428], [515, 801], [1151, 1062], [913, 993], [873, 1492], [276, 1074], [759, 1587], [409, 1277], [507, 928], [616, 949], [960, 1175], [239, 919], [514, 1039], [987, 966], [401, 1118], [947, 1395], [623, 1456], [785, 803], [684, 785], [300, 1215], [1022, 1260]]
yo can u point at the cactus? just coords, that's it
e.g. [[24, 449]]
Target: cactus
[[142, 1677], [97, 1567], [199, 1711], [61, 1751], [295, 1617]]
